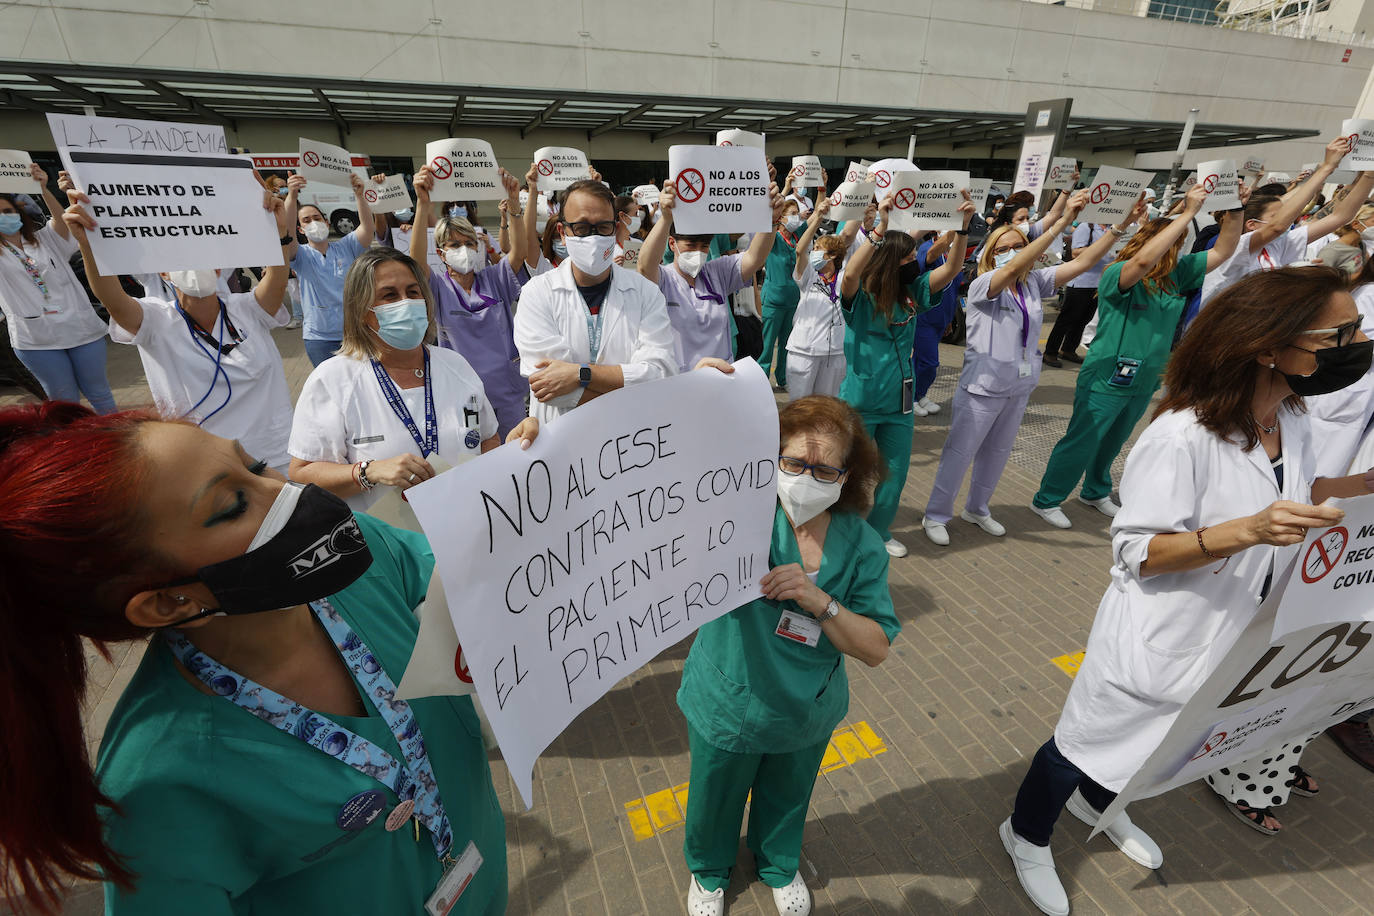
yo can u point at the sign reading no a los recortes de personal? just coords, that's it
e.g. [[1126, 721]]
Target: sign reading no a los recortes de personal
[[629, 523], [156, 212], [720, 189]]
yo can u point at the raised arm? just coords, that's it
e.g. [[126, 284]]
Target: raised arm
[[271, 289], [1061, 200], [54, 208], [1228, 239], [943, 275], [123, 308], [364, 232], [1084, 258], [1292, 204], [294, 184], [1344, 211], [651, 252], [423, 182], [854, 270], [762, 243], [1026, 257], [515, 247], [529, 220], [808, 236], [1135, 270]]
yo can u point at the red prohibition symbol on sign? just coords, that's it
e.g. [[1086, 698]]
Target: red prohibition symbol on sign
[[441, 167], [371, 196], [1209, 184], [545, 167], [726, 143], [690, 185], [1324, 554], [836, 198], [310, 158], [1100, 193], [798, 171], [853, 176], [883, 179], [904, 199], [1354, 141], [460, 667], [1210, 745]]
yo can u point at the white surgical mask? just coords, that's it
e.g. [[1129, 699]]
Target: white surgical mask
[[194, 283], [690, 262], [317, 230], [1368, 234], [635, 222], [464, 260], [804, 497], [816, 258], [1003, 259], [540, 224], [792, 222], [592, 254]]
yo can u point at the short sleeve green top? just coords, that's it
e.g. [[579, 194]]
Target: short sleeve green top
[[878, 353]]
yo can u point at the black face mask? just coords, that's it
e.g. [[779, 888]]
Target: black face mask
[[1337, 368], [909, 272], [318, 551]]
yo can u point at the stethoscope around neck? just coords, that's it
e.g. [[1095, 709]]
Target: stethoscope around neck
[[216, 359]]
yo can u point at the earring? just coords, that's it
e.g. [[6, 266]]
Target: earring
[[1271, 365], [180, 599]]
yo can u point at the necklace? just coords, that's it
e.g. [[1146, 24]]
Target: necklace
[[1268, 430]]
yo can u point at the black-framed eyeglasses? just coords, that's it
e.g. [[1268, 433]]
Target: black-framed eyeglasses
[[1345, 334], [582, 230], [795, 467]]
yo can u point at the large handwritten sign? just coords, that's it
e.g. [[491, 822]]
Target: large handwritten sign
[[629, 523], [83, 132]]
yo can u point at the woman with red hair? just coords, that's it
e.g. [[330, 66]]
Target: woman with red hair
[[259, 761]]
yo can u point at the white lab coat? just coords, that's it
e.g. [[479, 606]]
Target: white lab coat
[[551, 323], [1155, 640]]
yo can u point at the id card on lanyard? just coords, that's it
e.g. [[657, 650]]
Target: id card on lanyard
[[1023, 368], [429, 442]]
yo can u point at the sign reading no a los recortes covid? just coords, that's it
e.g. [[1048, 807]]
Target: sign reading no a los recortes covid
[[1335, 577], [156, 212], [719, 189], [571, 564]]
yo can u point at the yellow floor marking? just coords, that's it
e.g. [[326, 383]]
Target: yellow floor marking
[[1069, 664], [663, 810]]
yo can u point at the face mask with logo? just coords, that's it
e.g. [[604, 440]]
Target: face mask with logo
[[635, 223], [792, 222], [816, 258], [592, 254], [464, 260], [402, 325], [194, 283], [803, 497], [1337, 368], [1002, 259], [690, 262], [458, 212], [308, 547], [405, 216], [317, 230]]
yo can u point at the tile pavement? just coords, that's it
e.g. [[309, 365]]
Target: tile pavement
[[967, 695]]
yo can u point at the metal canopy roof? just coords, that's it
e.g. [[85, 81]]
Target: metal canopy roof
[[226, 98]]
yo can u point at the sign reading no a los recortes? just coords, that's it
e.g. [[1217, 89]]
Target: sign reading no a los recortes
[[157, 212], [629, 523], [719, 189]]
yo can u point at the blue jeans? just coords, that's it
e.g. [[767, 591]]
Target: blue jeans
[[320, 350], [68, 374]]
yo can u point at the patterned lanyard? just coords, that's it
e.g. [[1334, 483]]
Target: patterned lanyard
[[412, 779], [429, 442], [31, 268]]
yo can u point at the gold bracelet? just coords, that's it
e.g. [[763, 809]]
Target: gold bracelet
[[1203, 546]]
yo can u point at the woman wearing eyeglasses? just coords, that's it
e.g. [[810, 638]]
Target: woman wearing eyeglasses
[[1001, 364], [1218, 492], [1141, 297], [881, 293], [765, 685]]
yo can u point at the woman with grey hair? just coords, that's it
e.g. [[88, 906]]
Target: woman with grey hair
[[392, 401]]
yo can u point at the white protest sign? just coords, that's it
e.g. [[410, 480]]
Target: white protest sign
[[856, 172], [1221, 181], [927, 200], [1280, 177], [1186, 184], [14, 173], [573, 563], [885, 171], [631, 249], [720, 189], [389, 196], [979, 189], [1112, 194], [736, 137], [1335, 577], [850, 200], [1263, 693], [463, 169], [806, 172], [325, 163], [560, 166], [90, 132], [1060, 176], [646, 194], [160, 211], [1254, 165], [1034, 165]]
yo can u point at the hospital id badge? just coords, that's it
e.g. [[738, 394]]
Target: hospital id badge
[[454, 882], [799, 628], [1023, 369], [1125, 372], [908, 395]]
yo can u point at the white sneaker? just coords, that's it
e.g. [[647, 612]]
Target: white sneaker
[[294, 323], [895, 548], [1035, 870], [794, 899], [701, 903], [1129, 838], [1054, 515], [989, 524], [938, 533], [1105, 505], [919, 411], [929, 405]]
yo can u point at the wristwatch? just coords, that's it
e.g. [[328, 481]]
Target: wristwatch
[[963, 232], [831, 610], [584, 375]]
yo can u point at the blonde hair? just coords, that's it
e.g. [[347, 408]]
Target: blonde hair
[[451, 228], [985, 258], [360, 294]]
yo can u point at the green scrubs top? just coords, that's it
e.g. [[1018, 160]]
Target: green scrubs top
[[222, 813], [1137, 324], [879, 354], [749, 691], [779, 288]]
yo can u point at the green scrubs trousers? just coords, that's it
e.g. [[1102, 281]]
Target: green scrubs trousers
[[777, 327], [1100, 425], [892, 432]]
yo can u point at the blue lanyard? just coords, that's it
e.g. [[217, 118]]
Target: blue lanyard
[[412, 779], [1025, 316], [196, 333], [429, 443], [487, 301]]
